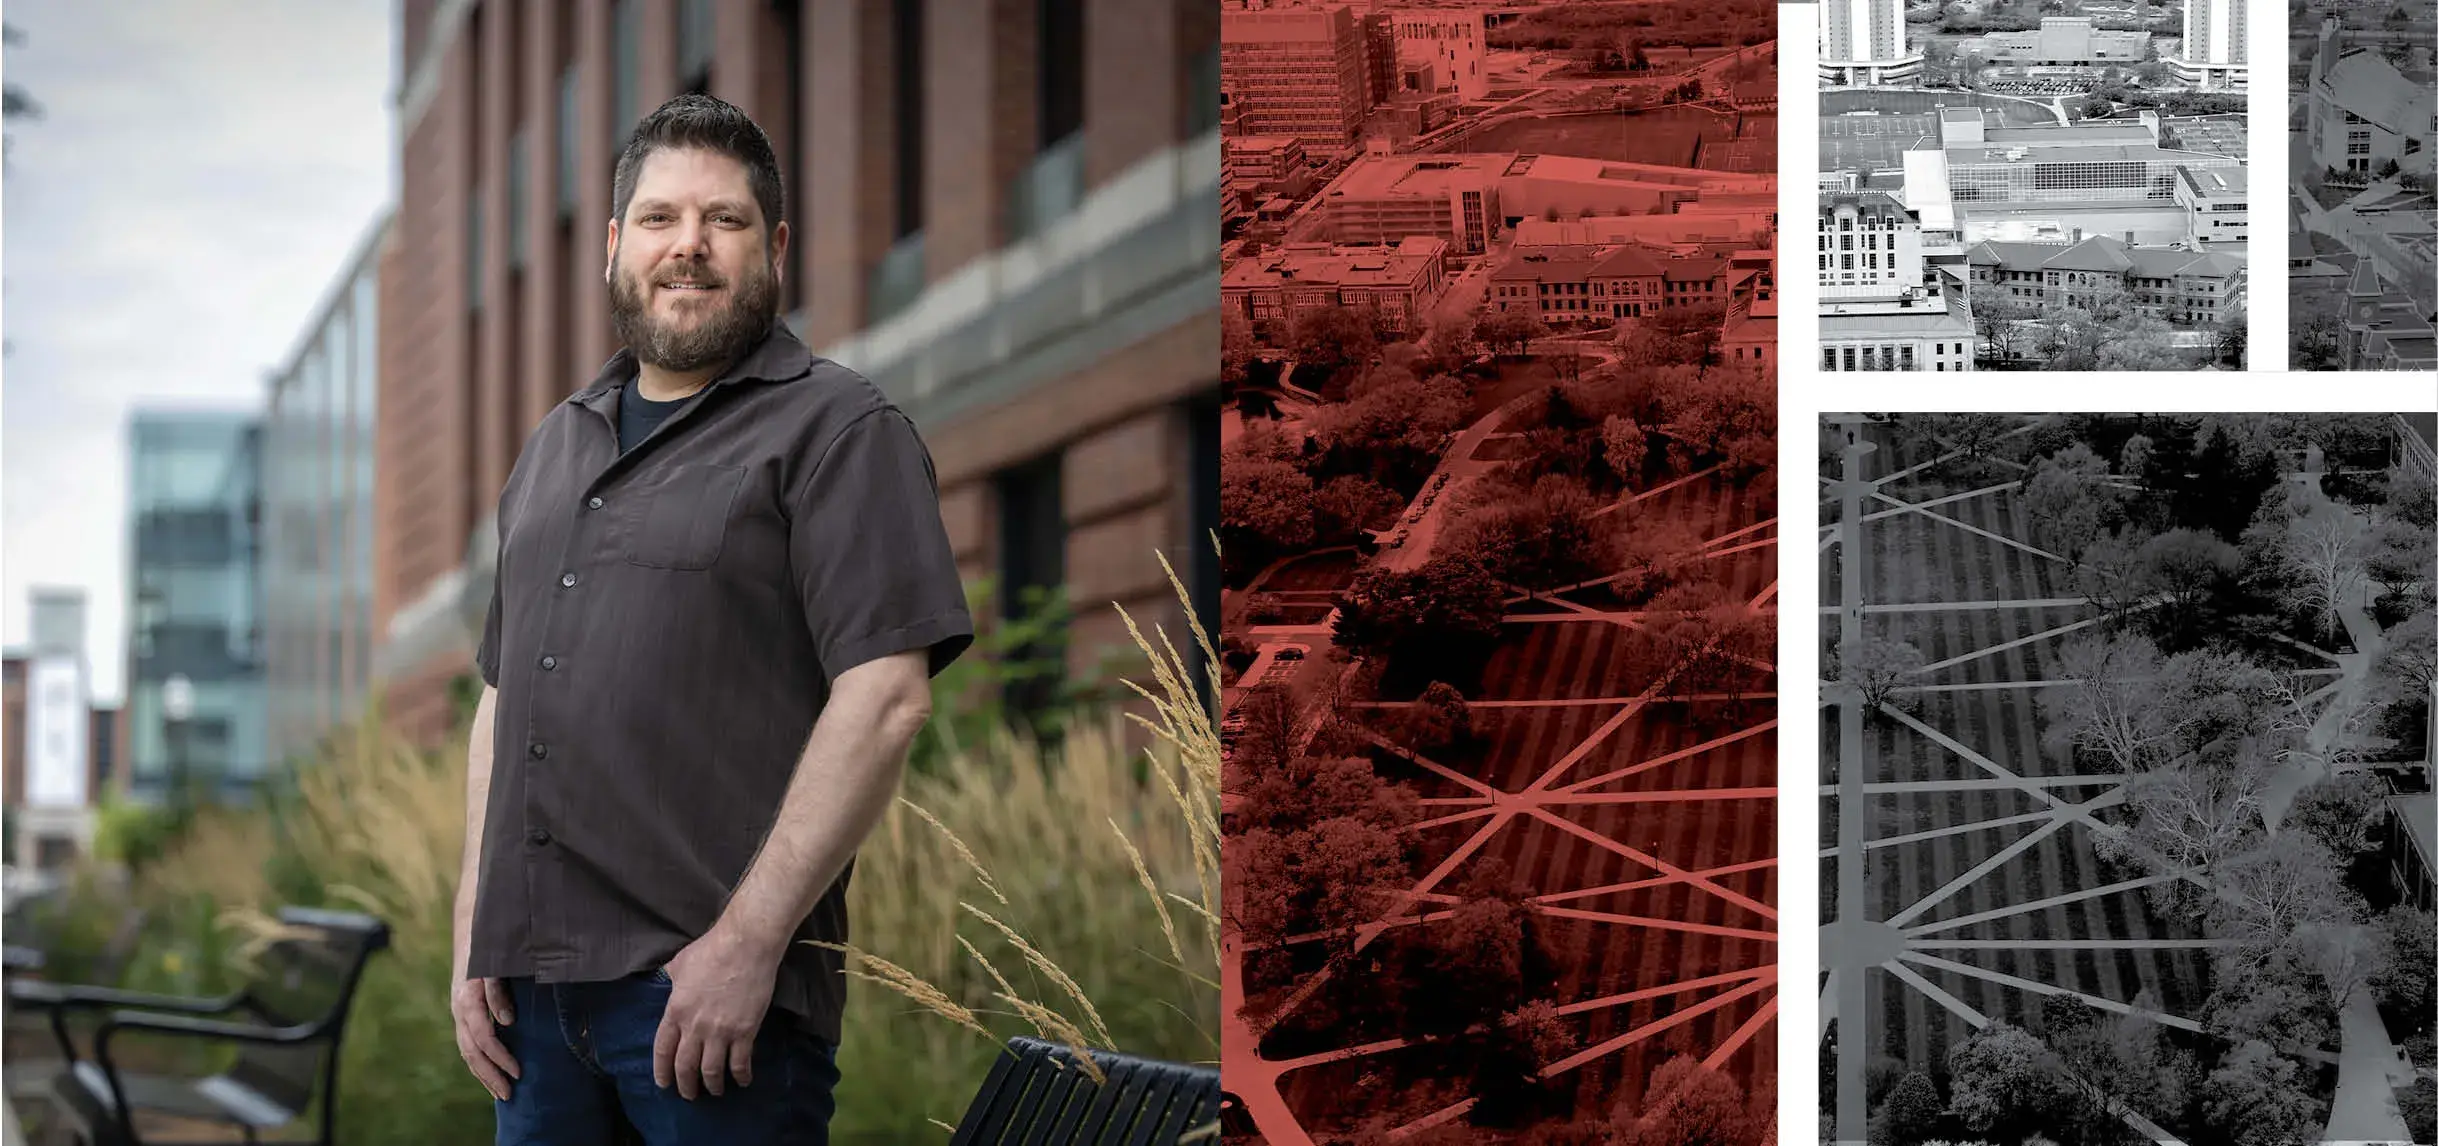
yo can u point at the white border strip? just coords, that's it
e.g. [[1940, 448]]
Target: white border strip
[[1799, 404], [2266, 300]]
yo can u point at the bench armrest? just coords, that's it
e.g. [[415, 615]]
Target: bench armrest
[[150, 1022], [71, 996]]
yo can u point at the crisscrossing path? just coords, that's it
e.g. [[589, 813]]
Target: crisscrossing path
[[1638, 816], [1980, 889]]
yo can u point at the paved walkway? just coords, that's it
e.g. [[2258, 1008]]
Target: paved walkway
[[1424, 523], [2367, 1071], [2368, 1064], [2354, 673]]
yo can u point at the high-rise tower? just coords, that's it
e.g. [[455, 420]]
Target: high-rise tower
[[1862, 42], [2212, 56]]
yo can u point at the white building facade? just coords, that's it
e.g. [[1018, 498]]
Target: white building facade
[[1862, 43], [2212, 56]]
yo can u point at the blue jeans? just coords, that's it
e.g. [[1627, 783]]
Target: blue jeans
[[585, 1052]]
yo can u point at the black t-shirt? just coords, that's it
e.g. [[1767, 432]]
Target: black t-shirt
[[638, 416]]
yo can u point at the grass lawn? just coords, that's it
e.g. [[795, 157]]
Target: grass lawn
[[1981, 667]]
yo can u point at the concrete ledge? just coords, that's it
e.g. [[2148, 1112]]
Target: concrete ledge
[[432, 624], [983, 314]]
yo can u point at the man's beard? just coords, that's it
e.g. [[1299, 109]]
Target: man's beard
[[722, 336]]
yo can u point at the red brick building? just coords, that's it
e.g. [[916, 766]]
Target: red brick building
[[1005, 212]]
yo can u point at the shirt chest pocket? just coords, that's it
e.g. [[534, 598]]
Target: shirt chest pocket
[[681, 521]]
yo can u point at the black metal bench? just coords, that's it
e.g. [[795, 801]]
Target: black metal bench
[[286, 1054], [1038, 1095]]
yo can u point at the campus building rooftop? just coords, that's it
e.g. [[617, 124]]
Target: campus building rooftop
[[2070, 151], [1846, 321], [2103, 255], [2215, 182], [1344, 266], [1385, 176], [2364, 83]]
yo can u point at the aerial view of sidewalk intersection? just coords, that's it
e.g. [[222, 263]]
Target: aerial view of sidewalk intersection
[[2126, 793], [1499, 527]]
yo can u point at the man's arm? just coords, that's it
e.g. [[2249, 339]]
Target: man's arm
[[477, 1005], [721, 983], [844, 782], [478, 802]]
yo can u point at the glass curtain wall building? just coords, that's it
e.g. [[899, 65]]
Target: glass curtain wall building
[[317, 498], [196, 612]]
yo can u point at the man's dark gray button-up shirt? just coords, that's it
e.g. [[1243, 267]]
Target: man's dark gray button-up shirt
[[663, 630]]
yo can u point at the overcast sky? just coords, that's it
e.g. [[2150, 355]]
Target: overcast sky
[[201, 172]]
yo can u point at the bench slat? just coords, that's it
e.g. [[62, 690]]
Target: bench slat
[[1187, 1108], [980, 1127], [1108, 1110], [1037, 1094], [1150, 1102], [1070, 1123], [1056, 1080]]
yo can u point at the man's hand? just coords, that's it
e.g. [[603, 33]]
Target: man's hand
[[477, 1004], [720, 988]]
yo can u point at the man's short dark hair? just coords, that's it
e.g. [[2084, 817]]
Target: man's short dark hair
[[701, 121]]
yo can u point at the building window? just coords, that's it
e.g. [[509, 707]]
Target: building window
[[906, 26], [697, 39], [791, 150], [474, 248], [625, 36], [1203, 106], [567, 142], [1032, 564], [1061, 65], [516, 200]]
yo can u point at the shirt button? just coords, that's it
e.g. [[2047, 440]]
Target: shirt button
[[549, 663], [538, 837], [538, 751], [567, 580], [592, 503]]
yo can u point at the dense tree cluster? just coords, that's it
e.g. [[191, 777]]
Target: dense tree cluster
[[1690, 1104], [1346, 467], [2246, 783]]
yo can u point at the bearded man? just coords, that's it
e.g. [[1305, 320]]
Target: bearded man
[[723, 587]]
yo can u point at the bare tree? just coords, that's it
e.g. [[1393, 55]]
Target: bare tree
[[2347, 956], [2412, 652], [2114, 705], [2113, 575], [2328, 737], [2189, 816], [2269, 894], [2324, 555]]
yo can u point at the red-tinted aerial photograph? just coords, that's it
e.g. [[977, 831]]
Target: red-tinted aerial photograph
[[1499, 535]]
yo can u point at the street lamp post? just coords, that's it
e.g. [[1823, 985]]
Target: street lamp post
[[178, 704]]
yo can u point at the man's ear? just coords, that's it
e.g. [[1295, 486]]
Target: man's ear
[[609, 260]]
